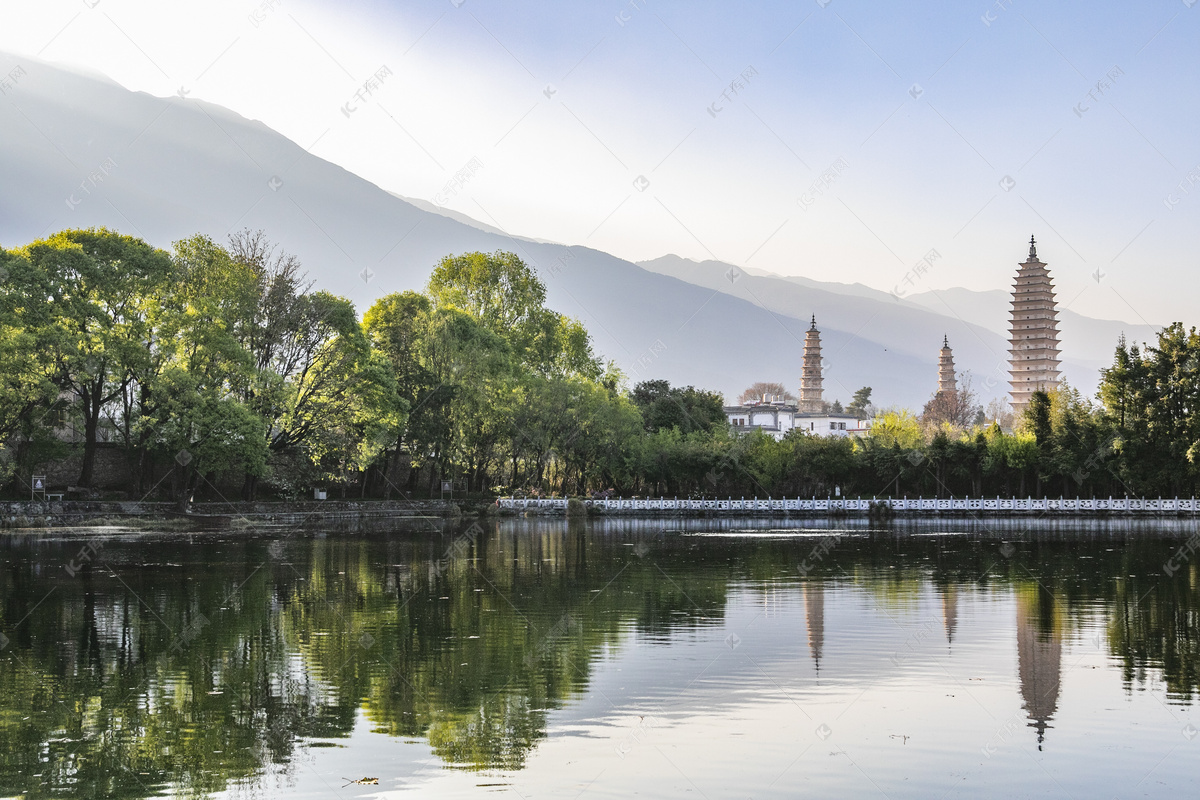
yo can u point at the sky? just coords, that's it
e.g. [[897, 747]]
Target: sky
[[906, 148]]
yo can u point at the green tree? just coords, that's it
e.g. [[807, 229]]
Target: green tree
[[1173, 418], [471, 365], [896, 428], [505, 296], [100, 288], [397, 326], [861, 403], [196, 410], [28, 394], [687, 408]]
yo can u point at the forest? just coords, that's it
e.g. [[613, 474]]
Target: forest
[[217, 370]]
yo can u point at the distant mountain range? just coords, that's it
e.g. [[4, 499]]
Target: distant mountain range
[[79, 150]]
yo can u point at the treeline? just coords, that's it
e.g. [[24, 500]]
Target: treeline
[[219, 371]]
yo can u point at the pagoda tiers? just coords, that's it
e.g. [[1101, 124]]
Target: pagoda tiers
[[1033, 342], [811, 400], [946, 379]]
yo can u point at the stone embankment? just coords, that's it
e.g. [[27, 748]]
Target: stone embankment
[[75, 513]]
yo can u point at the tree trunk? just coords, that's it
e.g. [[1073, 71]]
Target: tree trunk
[[91, 421], [184, 489]]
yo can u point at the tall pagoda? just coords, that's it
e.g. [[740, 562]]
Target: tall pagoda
[[947, 383], [1033, 333], [811, 399]]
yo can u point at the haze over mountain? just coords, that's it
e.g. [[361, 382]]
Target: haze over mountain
[[80, 150]]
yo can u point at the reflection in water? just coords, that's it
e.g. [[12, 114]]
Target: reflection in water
[[1039, 655], [190, 663], [814, 614], [949, 611]]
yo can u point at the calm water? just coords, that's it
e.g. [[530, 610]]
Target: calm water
[[604, 659]]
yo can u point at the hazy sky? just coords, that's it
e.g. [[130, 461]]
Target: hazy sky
[[836, 139]]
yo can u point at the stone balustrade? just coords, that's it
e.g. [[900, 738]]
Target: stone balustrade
[[997, 505]]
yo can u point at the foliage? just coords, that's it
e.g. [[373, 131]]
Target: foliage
[[687, 409]]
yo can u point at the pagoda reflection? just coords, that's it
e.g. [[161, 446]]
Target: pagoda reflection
[[814, 611], [1039, 655]]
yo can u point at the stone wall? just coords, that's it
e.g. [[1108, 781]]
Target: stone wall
[[112, 469]]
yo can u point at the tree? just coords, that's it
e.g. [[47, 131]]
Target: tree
[[505, 296], [1116, 385], [498, 289], [1174, 419], [365, 425], [195, 410], [1036, 417], [958, 408], [1077, 446], [397, 326], [766, 389], [860, 406], [687, 408], [27, 367], [280, 291], [470, 364], [998, 411], [896, 428], [100, 287]]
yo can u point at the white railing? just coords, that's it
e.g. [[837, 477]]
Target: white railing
[[1047, 505]]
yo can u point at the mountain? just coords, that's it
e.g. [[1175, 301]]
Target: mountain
[[80, 150]]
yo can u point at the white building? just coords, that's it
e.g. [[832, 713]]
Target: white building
[[778, 418]]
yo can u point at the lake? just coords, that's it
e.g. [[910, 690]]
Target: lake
[[605, 658]]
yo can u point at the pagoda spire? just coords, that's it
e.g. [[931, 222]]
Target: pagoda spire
[[1032, 248]]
